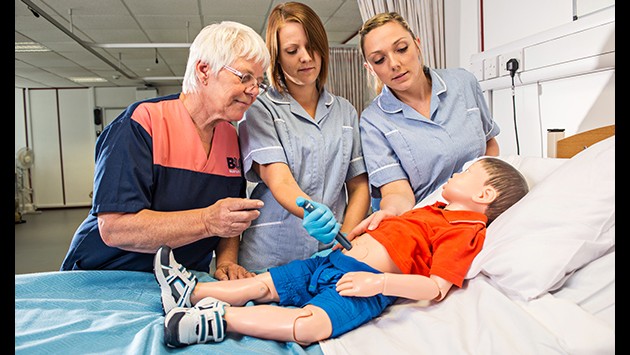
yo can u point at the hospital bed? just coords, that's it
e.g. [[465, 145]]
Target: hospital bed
[[544, 283]]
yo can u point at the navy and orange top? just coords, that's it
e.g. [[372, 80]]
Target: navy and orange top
[[151, 157]]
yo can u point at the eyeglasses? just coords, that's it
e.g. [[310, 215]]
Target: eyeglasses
[[248, 80]]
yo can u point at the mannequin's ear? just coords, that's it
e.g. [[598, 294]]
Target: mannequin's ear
[[486, 195]]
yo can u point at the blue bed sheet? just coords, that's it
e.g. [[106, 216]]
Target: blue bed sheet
[[110, 312]]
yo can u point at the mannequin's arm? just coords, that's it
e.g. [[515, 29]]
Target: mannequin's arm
[[414, 287]]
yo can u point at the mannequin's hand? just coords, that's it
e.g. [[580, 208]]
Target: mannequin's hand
[[320, 223], [361, 284]]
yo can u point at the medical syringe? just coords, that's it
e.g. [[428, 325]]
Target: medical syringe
[[340, 237]]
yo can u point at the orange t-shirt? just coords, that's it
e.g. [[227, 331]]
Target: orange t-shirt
[[433, 241]]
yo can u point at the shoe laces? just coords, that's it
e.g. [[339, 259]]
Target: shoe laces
[[184, 271]]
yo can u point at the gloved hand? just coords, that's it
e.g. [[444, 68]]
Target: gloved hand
[[319, 221]]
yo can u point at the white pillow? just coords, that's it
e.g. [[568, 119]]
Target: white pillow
[[558, 227]]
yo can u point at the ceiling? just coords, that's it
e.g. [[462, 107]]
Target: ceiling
[[142, 43]]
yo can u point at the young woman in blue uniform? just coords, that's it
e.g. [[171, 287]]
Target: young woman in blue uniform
[[299, 140], [424, 124]]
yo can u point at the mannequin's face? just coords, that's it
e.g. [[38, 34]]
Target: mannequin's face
[[464, 187]]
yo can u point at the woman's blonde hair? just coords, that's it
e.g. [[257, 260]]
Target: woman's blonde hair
[[315, 36], [377, 21]]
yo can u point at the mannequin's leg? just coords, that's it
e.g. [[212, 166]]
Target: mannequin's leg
[[259, 289], [302, 325], [211, 319]]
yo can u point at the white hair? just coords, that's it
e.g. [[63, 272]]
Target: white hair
[[221, 44]]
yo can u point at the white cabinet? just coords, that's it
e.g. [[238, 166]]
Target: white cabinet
[[76, 128], [61, 128], [43, 125], [58, 125]]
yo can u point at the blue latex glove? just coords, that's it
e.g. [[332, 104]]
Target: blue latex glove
[[320, 223]]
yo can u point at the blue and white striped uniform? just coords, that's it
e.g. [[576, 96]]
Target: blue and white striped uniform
[[322, 154]]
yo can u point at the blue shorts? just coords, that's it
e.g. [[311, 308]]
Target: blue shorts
[[313, 281]]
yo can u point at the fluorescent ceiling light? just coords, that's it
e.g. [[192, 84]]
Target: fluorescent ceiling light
[[24, 47], [141, 45], [88, 80], [162, 78]]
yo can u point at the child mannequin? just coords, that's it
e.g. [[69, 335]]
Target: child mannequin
[[418, 255]]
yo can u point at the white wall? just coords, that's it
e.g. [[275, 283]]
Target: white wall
[[566, 76], [462, 34], [575, 104], [505, 21]]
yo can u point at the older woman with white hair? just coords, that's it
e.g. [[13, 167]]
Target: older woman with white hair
[[168, 168]]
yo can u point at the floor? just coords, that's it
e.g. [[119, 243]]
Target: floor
[[41, 242]]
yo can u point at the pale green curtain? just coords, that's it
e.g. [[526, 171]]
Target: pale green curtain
[[426, 19], [347, 77]]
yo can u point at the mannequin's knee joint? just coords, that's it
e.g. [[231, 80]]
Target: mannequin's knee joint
[[311, 325], [268, 292]]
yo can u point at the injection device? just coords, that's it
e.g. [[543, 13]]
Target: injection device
[[339, 237]]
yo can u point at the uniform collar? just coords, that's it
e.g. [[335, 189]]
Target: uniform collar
[[286, 99], [454, 217], [324, 103], [389, 103]]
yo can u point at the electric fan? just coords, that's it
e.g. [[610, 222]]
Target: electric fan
[[24, 160]]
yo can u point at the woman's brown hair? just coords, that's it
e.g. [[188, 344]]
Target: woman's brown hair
[[509, 183], [315, 35]]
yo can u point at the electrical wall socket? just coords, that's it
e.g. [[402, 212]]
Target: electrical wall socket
[[503, 59], [490, 69], [477, 69]]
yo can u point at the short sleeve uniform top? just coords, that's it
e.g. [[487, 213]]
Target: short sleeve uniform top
[[322, 153], [400, 143], [151, 157]]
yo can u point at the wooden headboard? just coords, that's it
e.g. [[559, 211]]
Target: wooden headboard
[[570, 146]]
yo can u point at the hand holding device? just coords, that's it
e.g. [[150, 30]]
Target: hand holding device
[[320, 223]]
